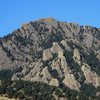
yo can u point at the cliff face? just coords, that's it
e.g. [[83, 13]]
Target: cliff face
[[53, 52]]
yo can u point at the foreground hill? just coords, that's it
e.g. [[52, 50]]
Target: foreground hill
[[48, 59]]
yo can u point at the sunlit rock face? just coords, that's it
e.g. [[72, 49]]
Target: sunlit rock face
[[53, 52]]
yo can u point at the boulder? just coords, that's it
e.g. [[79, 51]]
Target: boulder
[[54, 82], [76, 55], [47, 54]]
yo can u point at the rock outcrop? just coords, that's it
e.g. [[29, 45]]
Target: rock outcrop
[[91, 76], [54, 53], [70, 81]]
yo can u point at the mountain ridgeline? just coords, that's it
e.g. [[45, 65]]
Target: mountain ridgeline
[[51, 60]]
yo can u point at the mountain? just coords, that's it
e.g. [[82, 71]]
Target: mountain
[[48, 59]]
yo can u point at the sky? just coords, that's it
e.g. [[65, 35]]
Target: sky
[[13, 13]]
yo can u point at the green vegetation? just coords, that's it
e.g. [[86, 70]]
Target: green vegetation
[[88, 89], [92, 61], [40, 91]]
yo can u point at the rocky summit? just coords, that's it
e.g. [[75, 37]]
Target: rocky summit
[[48, 59]]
